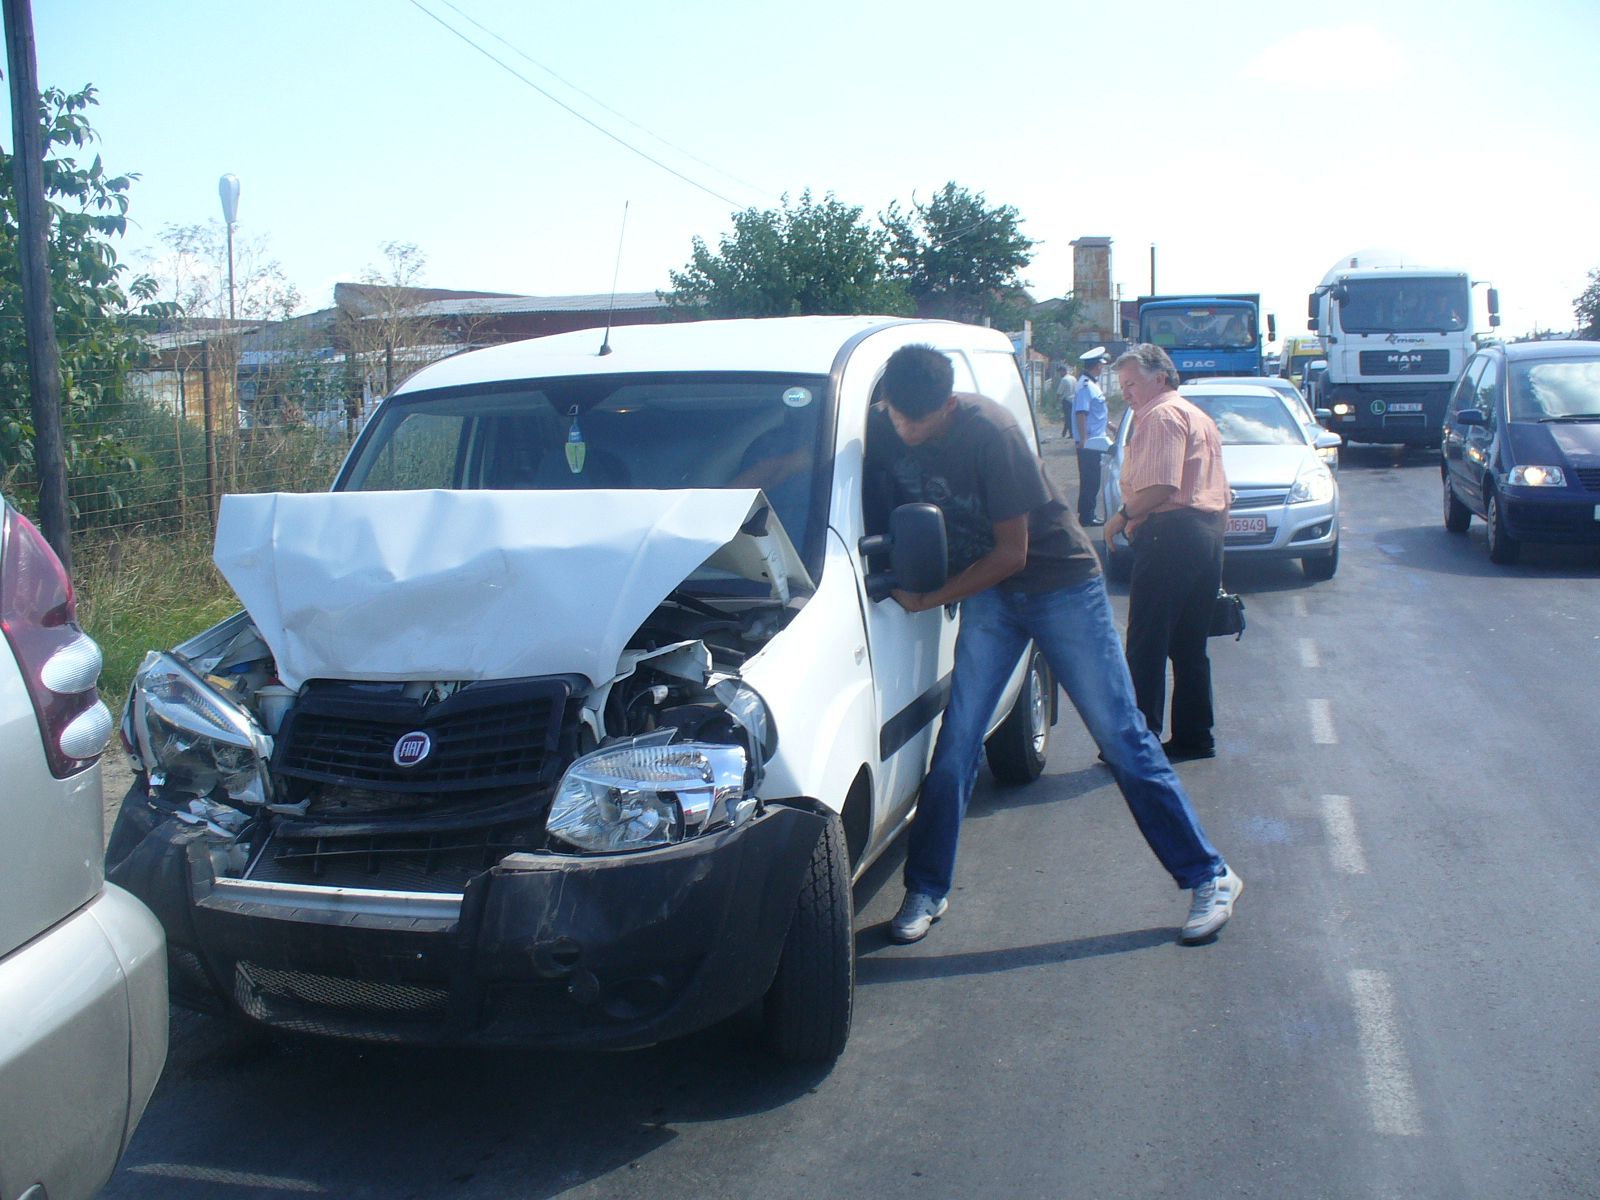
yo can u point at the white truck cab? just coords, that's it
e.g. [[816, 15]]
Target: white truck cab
[[570, 715], [1396, 337]]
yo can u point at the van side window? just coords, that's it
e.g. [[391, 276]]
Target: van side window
[[1466, 393], [1488, 389]]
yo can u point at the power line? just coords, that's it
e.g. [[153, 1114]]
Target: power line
[[596, 99], [562, 103]]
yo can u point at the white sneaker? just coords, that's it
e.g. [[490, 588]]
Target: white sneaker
[[917, 913], [1213, 905]]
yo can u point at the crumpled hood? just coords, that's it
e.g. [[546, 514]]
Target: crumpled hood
[[447, 585]]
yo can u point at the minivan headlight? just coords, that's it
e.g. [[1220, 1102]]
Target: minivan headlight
[[192, 739], [1537, 477], [645, 792], [1315, 482]]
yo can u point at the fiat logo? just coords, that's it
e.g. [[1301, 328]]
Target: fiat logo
[[412, 748]]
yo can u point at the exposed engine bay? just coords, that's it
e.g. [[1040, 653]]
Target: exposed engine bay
[[419, 786]]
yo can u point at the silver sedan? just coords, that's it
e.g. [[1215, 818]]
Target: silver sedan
[[1285, 497]]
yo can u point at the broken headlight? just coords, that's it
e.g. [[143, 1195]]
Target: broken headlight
[[649, 792], [192, 739]]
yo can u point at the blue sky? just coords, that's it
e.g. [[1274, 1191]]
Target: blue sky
[[1253, 143]]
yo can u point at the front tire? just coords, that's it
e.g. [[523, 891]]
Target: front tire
[[1018, 749], [1457, 516], [806, 1014], [1323, 566], [1503, 548]]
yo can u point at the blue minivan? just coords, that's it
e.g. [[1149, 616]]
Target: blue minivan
[[1521, 446]]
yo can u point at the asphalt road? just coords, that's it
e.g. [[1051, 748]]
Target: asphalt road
[[1405, 1004]]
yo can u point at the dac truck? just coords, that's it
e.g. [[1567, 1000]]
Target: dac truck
[[1207, 334], [1397, 337]]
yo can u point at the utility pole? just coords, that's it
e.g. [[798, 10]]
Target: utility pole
[[33, 223]]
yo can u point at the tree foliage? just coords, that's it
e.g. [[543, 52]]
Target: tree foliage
[[959, 256], [1587, 308], [94, 301], [806, 257]]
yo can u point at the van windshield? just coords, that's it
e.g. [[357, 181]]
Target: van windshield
[[666, 431], [1543, 391]]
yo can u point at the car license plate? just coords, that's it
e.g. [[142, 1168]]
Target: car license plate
[[1247, 524], [1406, 406], [1597, 512]]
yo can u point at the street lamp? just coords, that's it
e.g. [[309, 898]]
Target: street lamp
[[228, 190]]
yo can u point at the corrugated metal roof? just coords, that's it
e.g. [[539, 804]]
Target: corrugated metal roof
[[480, 306]]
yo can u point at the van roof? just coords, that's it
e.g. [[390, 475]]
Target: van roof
[[808, 345]]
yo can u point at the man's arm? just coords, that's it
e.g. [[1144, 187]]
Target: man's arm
[[1010, 555], [1137, 507]]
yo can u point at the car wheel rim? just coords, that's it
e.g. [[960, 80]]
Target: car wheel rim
[[1036, 711]]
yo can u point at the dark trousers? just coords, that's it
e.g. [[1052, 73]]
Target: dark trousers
[[1177, 568], [1088, 483]]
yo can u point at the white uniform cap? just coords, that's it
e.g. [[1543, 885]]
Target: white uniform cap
[[1098, 354]]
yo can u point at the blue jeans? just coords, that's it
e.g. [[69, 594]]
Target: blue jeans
[[1075, 629]]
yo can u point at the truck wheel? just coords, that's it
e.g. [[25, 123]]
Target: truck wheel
[[1323, 566], [806, 1016], [1018, 749], [1503, 548], [1457, 516]]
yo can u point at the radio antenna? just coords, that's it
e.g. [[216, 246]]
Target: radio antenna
[[611, 304]]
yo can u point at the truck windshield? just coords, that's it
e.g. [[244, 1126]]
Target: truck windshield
[[1199, 326], [1405, 305], [630, 431]]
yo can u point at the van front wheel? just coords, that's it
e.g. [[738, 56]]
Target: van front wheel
[[1018, 749], [806, 1015]]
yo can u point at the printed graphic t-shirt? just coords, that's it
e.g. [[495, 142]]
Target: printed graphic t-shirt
[[980, 472]]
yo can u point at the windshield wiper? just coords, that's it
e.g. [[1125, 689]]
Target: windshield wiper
[[1594, 416]]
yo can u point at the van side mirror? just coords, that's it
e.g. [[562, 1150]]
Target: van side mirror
[[916, 548], [1471, 416], [1494, 307]]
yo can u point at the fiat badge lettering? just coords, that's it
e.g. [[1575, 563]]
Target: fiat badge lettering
[[412, 748]]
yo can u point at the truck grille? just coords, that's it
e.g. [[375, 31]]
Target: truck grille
[[1405, 362], [485, 736]]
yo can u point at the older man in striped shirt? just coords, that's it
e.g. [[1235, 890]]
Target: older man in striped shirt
[[1175, 505]]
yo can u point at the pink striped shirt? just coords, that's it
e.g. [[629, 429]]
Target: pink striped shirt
[[1172, 442]]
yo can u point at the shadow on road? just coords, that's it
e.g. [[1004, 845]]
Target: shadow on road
[[870, 941], [1430, 548]]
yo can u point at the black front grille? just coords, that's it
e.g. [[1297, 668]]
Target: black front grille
[[486, 735], [1405, 362], [1259, 500], [1588, 477], [354, 997]]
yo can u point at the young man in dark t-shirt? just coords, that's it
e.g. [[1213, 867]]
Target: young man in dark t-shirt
[[1021, 568]]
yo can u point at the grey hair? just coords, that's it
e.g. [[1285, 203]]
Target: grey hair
[[1150, 359]]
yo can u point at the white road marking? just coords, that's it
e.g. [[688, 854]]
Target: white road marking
[[1310, 656], [1322, 723], [1298, 604], [1344, 846], [1391, 1096]]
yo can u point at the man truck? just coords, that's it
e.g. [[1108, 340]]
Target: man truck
[[1396, 338], [1207, 335]]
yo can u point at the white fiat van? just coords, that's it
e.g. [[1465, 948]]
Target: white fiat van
[[570, 715]]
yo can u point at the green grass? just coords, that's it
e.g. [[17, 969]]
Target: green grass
[[145, 592]]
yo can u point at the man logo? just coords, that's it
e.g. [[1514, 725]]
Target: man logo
[[412, 749]]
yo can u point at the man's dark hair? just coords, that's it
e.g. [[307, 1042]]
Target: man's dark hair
[[918, 380]]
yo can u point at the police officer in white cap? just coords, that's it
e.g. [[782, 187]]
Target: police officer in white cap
[[1089, 431]]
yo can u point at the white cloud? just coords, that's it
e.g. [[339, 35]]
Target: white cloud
[[1341, 55]]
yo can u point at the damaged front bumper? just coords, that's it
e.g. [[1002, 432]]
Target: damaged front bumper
[[543, 949]]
